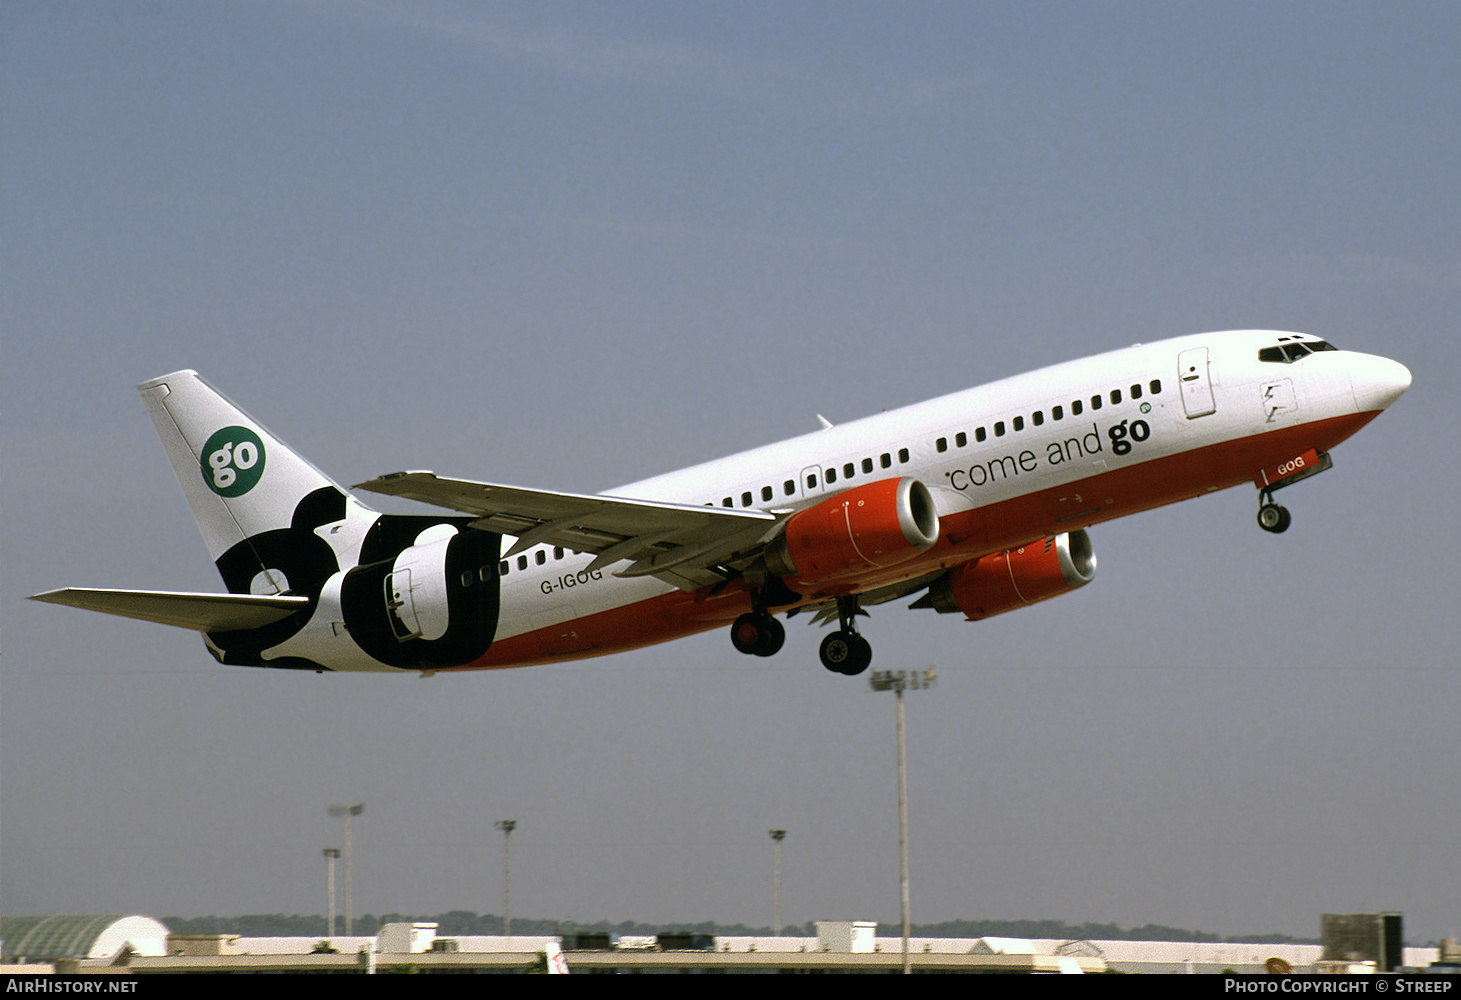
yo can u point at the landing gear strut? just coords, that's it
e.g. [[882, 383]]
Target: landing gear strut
[[1272, 517], [844, 651]]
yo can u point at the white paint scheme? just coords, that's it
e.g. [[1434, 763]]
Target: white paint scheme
[[1337, 383], [641, 543]]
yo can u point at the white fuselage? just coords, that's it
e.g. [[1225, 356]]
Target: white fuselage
[[1007, 463]]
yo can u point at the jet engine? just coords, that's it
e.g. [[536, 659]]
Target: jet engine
[[1014, 578], [867, 527]]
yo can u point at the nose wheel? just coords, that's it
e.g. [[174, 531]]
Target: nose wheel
[[1272, 517]]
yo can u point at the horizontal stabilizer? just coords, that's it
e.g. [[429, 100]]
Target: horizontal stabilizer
[[203, 612]]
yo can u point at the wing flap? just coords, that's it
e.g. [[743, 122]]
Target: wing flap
[[202, 612], [659, 539]]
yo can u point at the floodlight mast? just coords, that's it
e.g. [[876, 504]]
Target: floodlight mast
[[897, 681], [777, 836], [331, 853], [346, 812], [506, 826]]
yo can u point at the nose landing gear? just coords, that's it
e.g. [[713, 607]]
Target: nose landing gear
[[1272, 517]]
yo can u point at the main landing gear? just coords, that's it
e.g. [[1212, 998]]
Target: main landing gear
[[844, 651], [758, 633]]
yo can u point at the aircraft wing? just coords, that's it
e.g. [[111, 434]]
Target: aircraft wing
[[682, 545], [204, 612]]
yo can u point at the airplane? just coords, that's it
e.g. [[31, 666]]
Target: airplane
[[976, 502]]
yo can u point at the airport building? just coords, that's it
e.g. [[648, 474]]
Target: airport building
[[138, 945]]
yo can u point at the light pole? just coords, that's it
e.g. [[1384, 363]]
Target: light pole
[[778, 836], [346, 812], [331, 853], [506, 826], [896, 681]]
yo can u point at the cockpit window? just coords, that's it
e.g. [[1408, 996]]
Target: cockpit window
[[1285, 355], [1292, 350]]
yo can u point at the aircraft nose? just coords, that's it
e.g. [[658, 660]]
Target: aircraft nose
[[1377, 382]]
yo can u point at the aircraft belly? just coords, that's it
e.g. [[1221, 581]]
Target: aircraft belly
[[1162, 480], [642, 622]]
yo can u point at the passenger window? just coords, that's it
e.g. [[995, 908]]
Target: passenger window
[[867, 465], [1019, 423], [522, 562], [1115, 396], [1056, 413], [829, 475], [961, 439], [942, 444], [885, 460], [789, 487], [1155, 385], [999, 428], [1136, 391], [746, 499], [727, 502], [902, 454], [1038, 416], [541, 557], [502, 567], [766, 494], [1095, 402], [848, 470], [979, 434], [812, 481], [557, 552], [1075, 407]]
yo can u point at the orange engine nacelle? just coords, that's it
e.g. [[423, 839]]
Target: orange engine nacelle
[[869, 527], [1016, 578]]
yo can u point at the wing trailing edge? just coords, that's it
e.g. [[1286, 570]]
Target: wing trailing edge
[[677, 543]]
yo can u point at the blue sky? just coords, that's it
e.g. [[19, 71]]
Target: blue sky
[[571, 245]]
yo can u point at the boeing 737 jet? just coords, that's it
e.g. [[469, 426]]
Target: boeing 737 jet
[[974, 503]]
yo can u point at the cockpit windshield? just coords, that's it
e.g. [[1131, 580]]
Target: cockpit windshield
[[1290, 351]]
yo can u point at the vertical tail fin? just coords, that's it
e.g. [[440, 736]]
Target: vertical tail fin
[[243, 483], [316, 580]]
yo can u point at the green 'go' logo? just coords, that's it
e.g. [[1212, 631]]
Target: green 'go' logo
[[232, 461]]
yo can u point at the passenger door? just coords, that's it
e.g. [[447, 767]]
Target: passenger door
[[1192, 376]]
